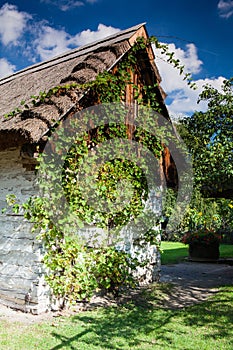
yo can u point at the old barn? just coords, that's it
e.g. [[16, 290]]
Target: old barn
[[22, 282]]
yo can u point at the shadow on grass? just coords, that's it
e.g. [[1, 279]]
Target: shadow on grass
[[216, 314], [142, 324], [117, 328]]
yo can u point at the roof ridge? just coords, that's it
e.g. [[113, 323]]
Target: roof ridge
[[65, 56]]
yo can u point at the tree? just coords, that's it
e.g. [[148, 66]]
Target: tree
[[209, 137]]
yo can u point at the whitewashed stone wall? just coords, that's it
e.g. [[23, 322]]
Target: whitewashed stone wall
[[22, 284], [21, 271], [130, 239], [147, 254]]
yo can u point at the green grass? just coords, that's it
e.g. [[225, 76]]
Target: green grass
[[140, 325], [175, 252], [226, 251]]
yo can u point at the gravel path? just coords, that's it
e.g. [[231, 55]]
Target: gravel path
[[195, 282]]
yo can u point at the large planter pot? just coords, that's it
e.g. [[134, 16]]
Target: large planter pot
[[203, 252]]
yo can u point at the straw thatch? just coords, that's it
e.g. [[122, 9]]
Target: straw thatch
[[79, 65]]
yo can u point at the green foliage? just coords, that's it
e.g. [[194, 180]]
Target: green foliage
[[11, 201], [113, 269], [203, 236], [75, 272], [208, 213], [106, 268], [70, 266], [202, 212], [119, 183], [209, 137]]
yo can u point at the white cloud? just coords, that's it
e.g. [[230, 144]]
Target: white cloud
[[66, 5], [6, 68], [184, 102], [12, 24], [69, 5], [88, 36], [225, 8], [52, 42], [182, 99], [171, 77]]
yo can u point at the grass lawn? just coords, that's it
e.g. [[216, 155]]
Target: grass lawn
[[174, 252], [140, 326]]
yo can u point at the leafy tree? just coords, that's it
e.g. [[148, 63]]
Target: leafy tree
[[209, 137]]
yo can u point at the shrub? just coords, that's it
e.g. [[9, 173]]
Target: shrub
[[202, 236]]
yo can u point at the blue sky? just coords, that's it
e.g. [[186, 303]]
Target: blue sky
[[200, 33]]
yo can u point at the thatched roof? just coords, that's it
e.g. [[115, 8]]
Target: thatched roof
[[79, 65]]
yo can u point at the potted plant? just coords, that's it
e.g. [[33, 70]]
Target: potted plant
[[203, 244]]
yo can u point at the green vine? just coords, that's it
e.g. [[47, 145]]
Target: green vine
[[75, 270]]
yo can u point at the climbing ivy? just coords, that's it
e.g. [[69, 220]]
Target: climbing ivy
[[76, 271]]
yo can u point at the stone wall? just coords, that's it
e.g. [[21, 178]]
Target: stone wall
[[22, 284], [147, 254], [21, 271], [131, 240]]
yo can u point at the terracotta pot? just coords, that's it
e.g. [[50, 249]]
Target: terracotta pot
[[203, 252]]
